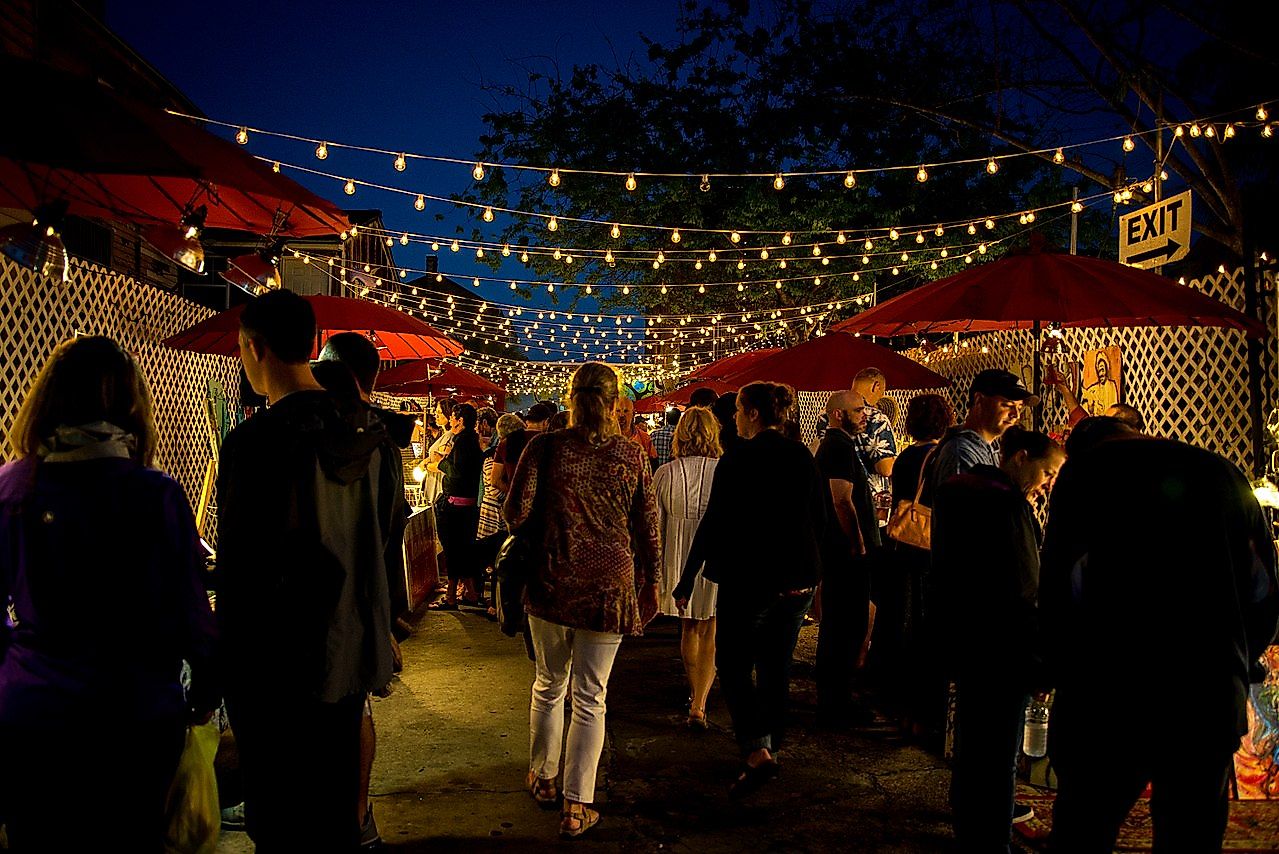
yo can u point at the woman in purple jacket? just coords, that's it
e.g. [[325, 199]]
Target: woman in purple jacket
[[101, 580]]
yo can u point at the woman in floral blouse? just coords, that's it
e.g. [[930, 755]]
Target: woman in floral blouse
[[601, 534]]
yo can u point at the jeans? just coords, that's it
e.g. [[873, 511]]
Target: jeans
[[582, 660], [845, 617], [988, 726], [755, 639]]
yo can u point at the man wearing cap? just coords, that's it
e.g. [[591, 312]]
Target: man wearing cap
[[995, 402]]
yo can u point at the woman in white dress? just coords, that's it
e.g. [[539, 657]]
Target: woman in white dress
[[438, 450], [683, 487]]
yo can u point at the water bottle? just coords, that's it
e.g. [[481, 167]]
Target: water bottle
[[1034, 741]]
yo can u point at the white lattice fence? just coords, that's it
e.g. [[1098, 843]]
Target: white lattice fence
[[1189, 383], [36, 316]]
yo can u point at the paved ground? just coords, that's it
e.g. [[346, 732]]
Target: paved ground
[[453, 750]]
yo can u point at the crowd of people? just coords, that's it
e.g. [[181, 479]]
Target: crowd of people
[[1155, 568]]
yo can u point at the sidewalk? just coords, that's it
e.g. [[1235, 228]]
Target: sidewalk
[[453, 751]]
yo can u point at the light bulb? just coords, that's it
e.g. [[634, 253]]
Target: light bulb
[[825, 262], [1148, 187], [857, 277], [990, 224], [435, 246], [939, 231], [945, 253], [892, 234], [1268, 131], [506, 250], [919, 237], [552, 224], [972, 229], [588, 289], [850, 180], [420, 202], [697, 265], [1076, 207], [841, 238], [1179, 131], [1118, 197], [735, 237], [763, 254], [242, 136], [981, 248], [786, 239], [275, 167], [608, 255], [705, 185], [1195, 130], [922, 175], [616, 231], [626, 289], [1210, 131], [1126, 195], [701, 289], [992, 166], [631, 184], [817, 250], [322, 151], [896, 271], [1229, 132], [868, 245], [1129, 145], [1022, 219], [349, 187], [1059, 156], [778, 181], [675, 236], [712, 257], [741, 265], [400, 163], [455, 246], [782, 264], [663, 291], [865, 260], [478, 172], [740, 287], [557, 254], [404, 239]]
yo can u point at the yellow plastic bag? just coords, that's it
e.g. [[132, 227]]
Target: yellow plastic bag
[[192, 807]]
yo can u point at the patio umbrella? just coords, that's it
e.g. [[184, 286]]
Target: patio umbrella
[[396, 334], [729, 365], [434, 378], [73, 139], [831, 361], [680, 396], [1033, 289]]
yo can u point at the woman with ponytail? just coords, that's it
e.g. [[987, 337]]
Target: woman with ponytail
[[760, 541], [593, 493]]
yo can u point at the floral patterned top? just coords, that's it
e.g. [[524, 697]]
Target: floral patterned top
[[602, 532]]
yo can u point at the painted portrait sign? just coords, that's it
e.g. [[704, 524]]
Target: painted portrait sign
[[1101, 383]]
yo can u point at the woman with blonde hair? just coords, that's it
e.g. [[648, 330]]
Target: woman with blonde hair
[[683, 488], [82, 512], [591, 494]]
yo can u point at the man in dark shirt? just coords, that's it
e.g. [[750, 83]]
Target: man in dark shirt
[[1158, 573], [303, 520], [849, 543]]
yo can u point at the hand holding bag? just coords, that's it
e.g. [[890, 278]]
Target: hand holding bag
[[192, 808], [912, 522]]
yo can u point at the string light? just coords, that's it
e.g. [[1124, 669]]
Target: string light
[[554, 178], [322, 151], [400, 163], [1262, 115], [736, 237], [349, 187], [786, 239], [420, 202], [992, 166], [675, 236], [1129, 145], [478, 172], [488, 215], [705, 185], [631, 184], [242, 136], [922, 175], [553, 224], [778, 181], [850, 180], [616, 231], [1059, 156]]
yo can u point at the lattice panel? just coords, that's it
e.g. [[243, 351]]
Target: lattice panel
[[1189, 383], [36, 316]]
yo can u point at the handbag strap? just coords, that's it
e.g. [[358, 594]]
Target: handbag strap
[[923, 471]]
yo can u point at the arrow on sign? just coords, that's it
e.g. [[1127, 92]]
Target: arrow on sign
[[1168, 249]]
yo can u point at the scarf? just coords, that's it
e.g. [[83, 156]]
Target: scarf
[[93, 441]]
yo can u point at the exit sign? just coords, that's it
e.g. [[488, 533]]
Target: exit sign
[[1158, 234]]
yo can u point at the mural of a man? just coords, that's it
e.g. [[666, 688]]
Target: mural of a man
[[1103, 393]]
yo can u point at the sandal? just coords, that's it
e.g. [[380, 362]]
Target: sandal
[[577, 819], [543, 791], [752, 778], [696, 720]]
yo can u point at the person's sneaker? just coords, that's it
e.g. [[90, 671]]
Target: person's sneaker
[[369, 837], [1022, 812], [233, 817]]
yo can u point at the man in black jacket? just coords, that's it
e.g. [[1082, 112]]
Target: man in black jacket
[[1159, 596], [303, 521], [850, 542]]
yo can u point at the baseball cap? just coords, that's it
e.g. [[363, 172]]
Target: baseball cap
[[1000, 383]]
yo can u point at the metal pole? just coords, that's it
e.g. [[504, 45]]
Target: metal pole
[[1159, 159], [1252, 308], [1037, 414], [1074, 222]]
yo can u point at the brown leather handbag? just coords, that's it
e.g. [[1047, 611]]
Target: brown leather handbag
[[912, 522]]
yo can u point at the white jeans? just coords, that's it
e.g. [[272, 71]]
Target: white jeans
[[584, 660]]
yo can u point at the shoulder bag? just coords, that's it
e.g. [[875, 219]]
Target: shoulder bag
[[912, 522], [522, 556]]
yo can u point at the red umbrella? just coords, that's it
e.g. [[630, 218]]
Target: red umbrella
[[730, 365], [398, 335], [831, 361], [73, 139], [433, 378], [680, 396], [1033, 289]]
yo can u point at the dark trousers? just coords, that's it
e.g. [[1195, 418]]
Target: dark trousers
[[988, 723], [64, 789], [300, 762], [457, 526], [845, 616], [888, 664], [754, 642], [1101, 777]]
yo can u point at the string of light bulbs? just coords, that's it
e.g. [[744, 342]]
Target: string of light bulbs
[[1206, 127]]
